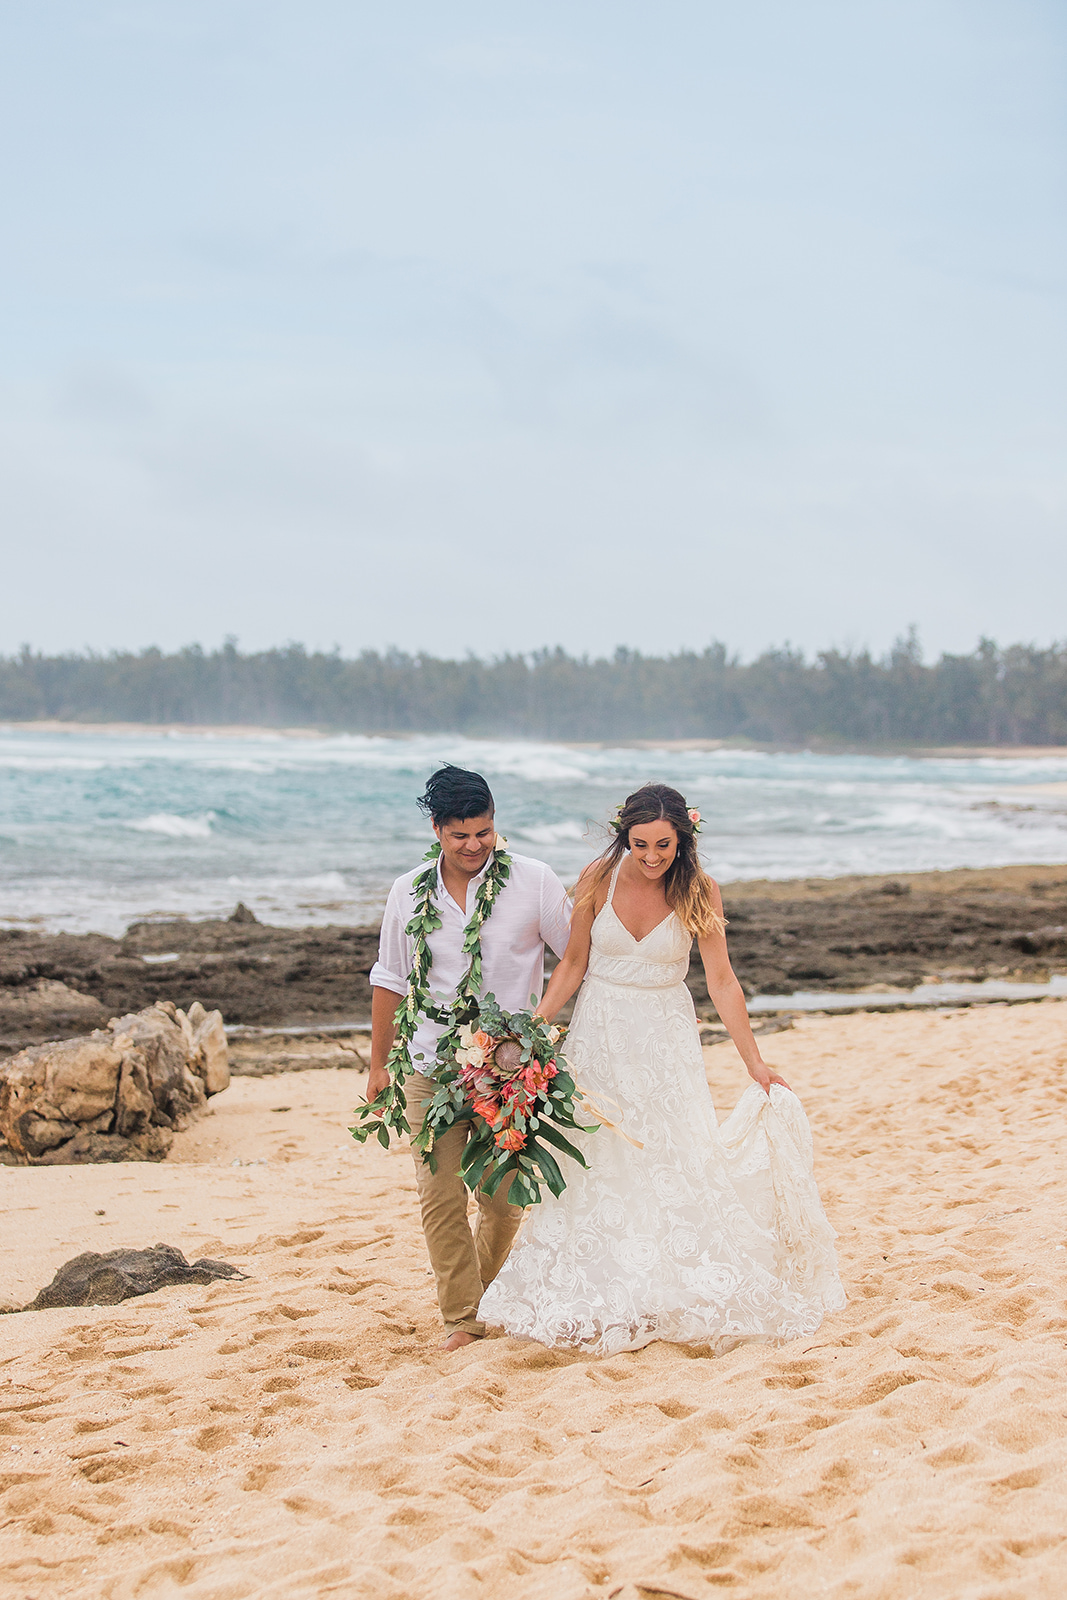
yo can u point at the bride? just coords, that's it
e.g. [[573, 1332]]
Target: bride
[[679, 1229]]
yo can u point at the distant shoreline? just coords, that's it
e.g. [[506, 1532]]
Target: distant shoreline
[[206, 730]]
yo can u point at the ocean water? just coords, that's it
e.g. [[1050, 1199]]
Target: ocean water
[[98, 829]]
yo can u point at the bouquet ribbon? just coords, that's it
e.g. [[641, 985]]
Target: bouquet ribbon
[[597, 1111]]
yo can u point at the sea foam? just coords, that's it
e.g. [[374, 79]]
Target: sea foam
[[316, 829], [175, 827]]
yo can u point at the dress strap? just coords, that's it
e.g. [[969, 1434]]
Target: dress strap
[[614, 880]]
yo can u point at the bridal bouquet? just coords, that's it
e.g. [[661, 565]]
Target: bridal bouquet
[[503, 1072]]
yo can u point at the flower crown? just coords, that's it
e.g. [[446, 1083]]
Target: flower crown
[[693, 814]]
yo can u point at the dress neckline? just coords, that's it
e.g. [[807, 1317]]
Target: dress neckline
[[609, 906]]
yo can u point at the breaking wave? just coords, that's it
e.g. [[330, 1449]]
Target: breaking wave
[[175, 827]]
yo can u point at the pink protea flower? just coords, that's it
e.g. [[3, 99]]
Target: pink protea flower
[[477, 1081]]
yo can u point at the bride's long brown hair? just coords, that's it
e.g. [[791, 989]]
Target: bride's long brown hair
[[688, 888]]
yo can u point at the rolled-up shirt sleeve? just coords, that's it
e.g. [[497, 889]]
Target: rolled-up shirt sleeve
[[393, 965], [556, 912]]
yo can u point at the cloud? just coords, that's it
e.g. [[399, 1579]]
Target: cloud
[[501, 60], [99, 393], [734, 324]]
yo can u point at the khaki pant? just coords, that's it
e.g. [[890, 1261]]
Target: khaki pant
[[463, 1264]]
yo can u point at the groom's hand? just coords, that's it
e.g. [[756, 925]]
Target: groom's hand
[[377, 1080]]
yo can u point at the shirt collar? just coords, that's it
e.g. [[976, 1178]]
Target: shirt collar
[[478, 876]]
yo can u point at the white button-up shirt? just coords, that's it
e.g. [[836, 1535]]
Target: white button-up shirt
[[531, 910]]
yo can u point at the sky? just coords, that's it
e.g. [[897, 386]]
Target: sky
[[484, 327]]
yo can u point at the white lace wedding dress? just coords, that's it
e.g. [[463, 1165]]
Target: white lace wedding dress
[[706, 1235]]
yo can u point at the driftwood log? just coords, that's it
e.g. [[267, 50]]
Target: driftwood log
[[117, 1094]]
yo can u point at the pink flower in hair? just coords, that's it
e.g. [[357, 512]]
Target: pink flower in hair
[[694, 817]]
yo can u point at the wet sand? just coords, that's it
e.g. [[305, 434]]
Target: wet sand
[[300, 1434]]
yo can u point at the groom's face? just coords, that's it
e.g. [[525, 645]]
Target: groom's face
[[467, 844]]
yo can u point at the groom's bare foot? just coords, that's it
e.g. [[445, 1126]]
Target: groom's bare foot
[[457, 1340]]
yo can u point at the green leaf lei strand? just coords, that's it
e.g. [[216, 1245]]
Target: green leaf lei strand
[[388, 1112]]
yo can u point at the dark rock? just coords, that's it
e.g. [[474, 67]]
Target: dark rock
[[717, 1034], [855, 935], [46, 1008], [95, 1280], [233, 967], [265, 976], [88, 1147], [1039, 941], [241, 913]]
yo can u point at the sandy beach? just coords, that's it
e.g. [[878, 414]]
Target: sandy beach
[[300, 1434]]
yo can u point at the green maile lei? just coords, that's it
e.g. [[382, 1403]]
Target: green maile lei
[[387, 1113]]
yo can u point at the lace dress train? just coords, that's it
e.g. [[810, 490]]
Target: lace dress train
[[705, 1235]]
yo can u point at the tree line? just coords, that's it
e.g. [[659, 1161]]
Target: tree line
[[1011, 695]]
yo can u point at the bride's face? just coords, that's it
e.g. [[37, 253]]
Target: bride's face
[[653, 846]]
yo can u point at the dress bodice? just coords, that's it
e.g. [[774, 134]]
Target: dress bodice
[[658, 961]]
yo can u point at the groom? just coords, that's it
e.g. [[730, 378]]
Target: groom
[[530, 911]]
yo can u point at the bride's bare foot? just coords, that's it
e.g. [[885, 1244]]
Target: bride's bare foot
[[457, 1340]]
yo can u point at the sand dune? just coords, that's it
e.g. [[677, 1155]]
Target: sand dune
[[300, 1434]]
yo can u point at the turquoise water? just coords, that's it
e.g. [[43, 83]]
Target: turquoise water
[[97, 829]]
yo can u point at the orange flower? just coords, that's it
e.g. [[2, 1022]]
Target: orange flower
[[487, 1109], [536, 1075], [483, 1040], [510, 1139]]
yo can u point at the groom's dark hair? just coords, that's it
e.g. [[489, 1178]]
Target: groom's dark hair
[[453, 794]]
